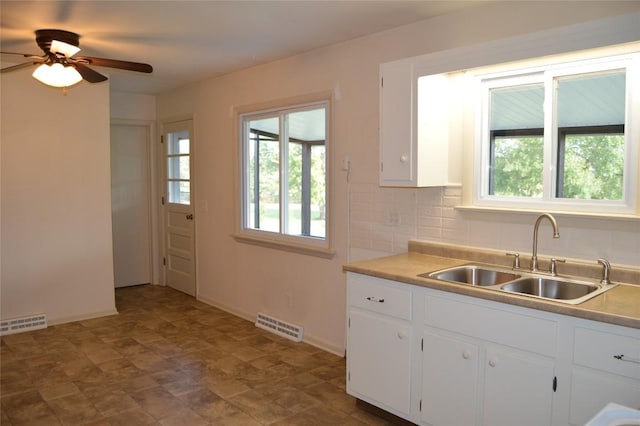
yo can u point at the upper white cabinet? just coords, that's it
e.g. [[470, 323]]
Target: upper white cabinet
[[414, 123]]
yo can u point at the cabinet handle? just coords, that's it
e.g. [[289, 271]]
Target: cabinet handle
[[466, 354], [402, 335], [404, 158], [375, 299], [493, 362], [622, 358]]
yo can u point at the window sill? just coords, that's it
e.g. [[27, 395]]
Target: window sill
[[286, 246], [594, 215]]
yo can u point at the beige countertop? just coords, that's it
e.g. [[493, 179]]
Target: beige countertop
[[620, 305]]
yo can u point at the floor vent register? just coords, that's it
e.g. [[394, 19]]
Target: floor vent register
[[279, 327], [18, 325]]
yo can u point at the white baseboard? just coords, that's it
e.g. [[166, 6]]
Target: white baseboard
[[249, 316], [82, 317]]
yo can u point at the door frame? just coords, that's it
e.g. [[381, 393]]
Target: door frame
[[155, 226], [163, 196]]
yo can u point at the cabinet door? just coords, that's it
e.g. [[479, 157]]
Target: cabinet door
[[379, 360], [518, 388], [396, 124], [449, 380], [591, 390]]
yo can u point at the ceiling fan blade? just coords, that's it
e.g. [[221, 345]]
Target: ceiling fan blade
[[26, 55], [19, 66], [114, 63], [88, 74]]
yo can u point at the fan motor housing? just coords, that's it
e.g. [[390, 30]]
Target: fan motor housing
[[44, 38]]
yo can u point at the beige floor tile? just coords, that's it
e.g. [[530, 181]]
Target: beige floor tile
[[260, 407], [167, 359], [74, 409], [157, 402]]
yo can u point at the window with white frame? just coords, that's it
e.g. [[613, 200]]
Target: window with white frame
[[284, 175], [560, 137]]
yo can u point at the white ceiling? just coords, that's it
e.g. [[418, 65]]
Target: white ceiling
[[186, 41]]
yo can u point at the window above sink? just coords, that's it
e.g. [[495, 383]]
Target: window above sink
[[560, 136]]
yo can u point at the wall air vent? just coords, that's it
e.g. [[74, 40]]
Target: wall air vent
[[18, 325], [281, 328]]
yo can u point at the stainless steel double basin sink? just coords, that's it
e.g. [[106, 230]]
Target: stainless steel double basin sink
[[560, 289]]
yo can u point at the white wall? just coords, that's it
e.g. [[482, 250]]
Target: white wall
[[133, 106], [247, 279], [56, 200]]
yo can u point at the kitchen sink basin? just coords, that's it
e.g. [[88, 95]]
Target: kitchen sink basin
[[524, 283], [550, 288], [473, 275]]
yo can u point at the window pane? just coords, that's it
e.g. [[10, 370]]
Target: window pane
[[179, 192], [178, 168], [516, 141], [517, 107], [593, 167], [593, 99], [264, 175], [591, 118], [318, 192], [294, 222], [307, 134], [178, 143], [517, 166]]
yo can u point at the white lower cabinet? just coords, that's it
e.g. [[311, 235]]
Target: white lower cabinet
[[473, 379], [379, 344], [518, 388], [380, 360], [449, 380], [462, 382], [606, 368], [437, 358]]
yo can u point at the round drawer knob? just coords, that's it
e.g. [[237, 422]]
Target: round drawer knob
[[404, 158], [493, 362], [466, 354], [402, 335]]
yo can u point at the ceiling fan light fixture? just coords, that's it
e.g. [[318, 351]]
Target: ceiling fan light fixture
[[57, 75], [63, 48]]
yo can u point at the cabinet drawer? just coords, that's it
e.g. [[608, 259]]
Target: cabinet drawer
[[500, 326], [597, 349], [376, 295]]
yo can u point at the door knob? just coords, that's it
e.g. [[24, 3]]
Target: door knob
[[190, 217]]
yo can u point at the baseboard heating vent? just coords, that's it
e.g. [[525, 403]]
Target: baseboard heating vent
[[281, 328], [18, 325]]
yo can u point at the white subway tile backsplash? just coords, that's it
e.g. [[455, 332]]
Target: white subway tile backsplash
[[429, 233], [383, 220], [453, 191]]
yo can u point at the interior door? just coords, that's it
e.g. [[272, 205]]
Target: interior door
[[130, 204], [179, 211]]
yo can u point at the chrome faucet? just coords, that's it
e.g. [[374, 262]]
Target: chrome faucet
[[606, 270], [556, 234]]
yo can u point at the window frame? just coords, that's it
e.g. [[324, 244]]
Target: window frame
[[513, 75], [305, 244]]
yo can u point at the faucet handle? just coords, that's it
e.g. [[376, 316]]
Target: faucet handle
[[552, 266], [516, 260]]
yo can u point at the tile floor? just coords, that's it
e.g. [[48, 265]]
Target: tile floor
[[167, 359]]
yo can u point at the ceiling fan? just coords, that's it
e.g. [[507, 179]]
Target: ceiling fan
[[59, 67]]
